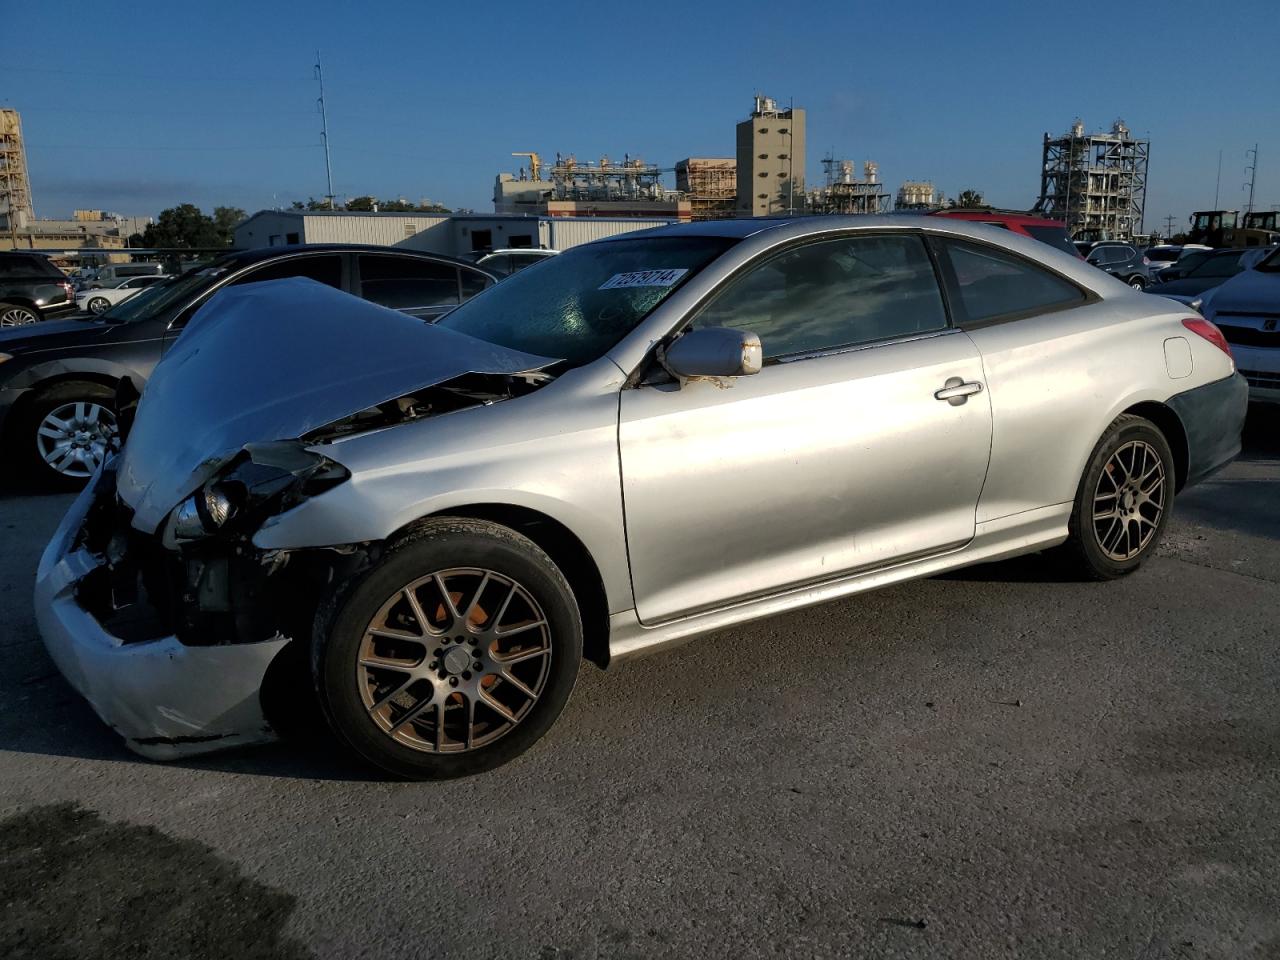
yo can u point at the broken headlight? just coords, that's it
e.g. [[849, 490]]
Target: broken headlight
[[264, 479]]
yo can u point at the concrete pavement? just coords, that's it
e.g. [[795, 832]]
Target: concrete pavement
[[991, 763]]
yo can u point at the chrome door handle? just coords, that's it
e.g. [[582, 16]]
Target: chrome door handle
[[956, 391]]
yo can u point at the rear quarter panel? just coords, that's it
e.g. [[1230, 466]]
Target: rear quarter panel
[[1056, 381]]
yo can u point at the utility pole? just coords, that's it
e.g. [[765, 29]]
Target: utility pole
[[1253, 175], [1217, 183], [1168, 227], [324, 131]]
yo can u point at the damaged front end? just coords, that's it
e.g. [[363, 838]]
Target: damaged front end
[[200, 578], [152, 597], [171, 635]]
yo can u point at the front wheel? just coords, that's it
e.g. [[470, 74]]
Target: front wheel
[[1123, 502], [99, 305], [453, 655], [64, 433], [1137, 283]]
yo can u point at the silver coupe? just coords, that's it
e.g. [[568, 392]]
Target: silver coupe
[[638, 441]]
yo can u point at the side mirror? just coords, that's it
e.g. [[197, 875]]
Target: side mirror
[[714, 352]]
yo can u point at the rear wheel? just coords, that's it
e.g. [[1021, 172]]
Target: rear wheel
[[453, 655], [1137, 283], [64, 434], [98, 305], [16, 315], [1123, 501]]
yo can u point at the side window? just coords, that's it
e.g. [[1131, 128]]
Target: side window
[[987, 284], [403, 283], [473, 282], [323, 269], [11, 266], [833, 293]]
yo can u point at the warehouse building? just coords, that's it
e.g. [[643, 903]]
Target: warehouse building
[[453, 235]]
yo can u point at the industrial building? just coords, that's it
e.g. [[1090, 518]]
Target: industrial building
[[15, 186], [710, 184], [630, 188], [770, 154], [1095, 182], [845, 193], [452, 235], [918, 195]]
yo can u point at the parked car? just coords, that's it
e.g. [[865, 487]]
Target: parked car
[[1190, 257], [1246, 308], [100, 300], [503, 263], [1122, 261], [58, 381], [32, 289], [1162, 255], [110, 274], [1052, 232], [1212, 270], [432, 515]]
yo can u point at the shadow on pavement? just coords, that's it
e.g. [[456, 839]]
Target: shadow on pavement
[[75, 885]]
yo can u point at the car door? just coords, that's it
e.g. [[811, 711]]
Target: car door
[[839, 456]]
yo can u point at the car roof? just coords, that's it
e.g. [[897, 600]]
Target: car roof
[[746, 227], [258, 254], [997, 216]]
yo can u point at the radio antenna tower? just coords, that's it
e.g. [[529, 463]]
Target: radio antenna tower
[[324, 131]]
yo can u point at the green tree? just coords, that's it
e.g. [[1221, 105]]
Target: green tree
[[182, 226], [970, 198], [225, 220]]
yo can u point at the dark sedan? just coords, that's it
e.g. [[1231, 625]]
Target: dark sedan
[[1217, 267], [58, 380]]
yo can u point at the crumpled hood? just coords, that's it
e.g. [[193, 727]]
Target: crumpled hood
[[274, 361], [1248, 292]]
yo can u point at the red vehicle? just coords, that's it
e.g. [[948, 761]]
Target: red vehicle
[[1052, 232]]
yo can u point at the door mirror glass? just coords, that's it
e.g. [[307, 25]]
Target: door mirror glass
[[714, 352]]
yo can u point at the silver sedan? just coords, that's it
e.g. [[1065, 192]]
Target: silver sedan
[[645, 439]]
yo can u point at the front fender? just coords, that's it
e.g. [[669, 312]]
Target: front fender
[[553, 452]]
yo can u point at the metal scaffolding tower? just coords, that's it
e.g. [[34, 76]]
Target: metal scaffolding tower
[[1096, 183], [15, 189]]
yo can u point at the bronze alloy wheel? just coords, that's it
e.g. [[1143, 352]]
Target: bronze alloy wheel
[[1129, 500], [454, 660]]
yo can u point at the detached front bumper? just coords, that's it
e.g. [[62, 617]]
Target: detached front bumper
[[167, 699]]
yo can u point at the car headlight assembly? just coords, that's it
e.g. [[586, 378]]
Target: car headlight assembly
[[263, 480]]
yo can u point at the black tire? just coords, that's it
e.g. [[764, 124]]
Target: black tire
[[1086, 552], [15, 314], [21, 436], [445, 544], [98, 305], [1137, 282]]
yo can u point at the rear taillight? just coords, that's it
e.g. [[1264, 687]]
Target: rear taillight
[[67, 289], [1203, 328]]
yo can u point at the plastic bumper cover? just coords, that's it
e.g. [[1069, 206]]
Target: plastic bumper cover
[[167, 700], [1213, 418]]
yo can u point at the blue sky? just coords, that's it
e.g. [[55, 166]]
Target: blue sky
[[133, 107]]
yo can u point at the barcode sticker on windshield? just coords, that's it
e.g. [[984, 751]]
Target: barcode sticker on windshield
[[643, 278]]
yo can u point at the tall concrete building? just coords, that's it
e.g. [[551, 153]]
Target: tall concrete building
[[770, 160]]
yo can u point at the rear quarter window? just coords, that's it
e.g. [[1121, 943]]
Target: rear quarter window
[[17, 267], [986, 285]]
